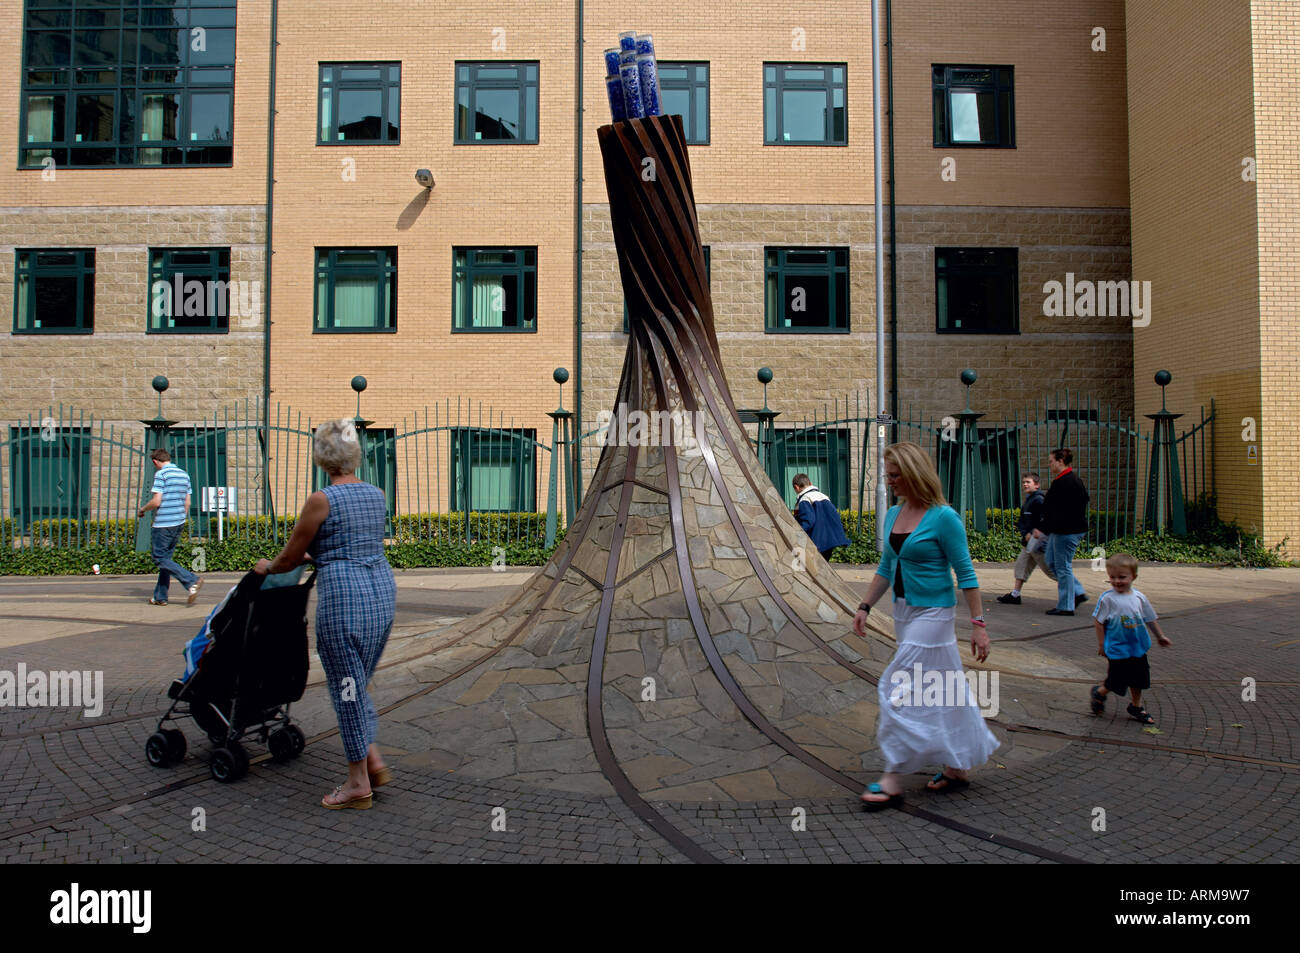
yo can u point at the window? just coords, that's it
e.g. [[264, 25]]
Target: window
[[803, 104], [54, 291], [201, 453], [494, 289], [807, 290], [356, 289], [976, 291], [684, 91], [493, 470], [359, 104], [974, 106], [820, 452], [496, 102], [708, 275], [49, 479], [190, 291], [121, 83]]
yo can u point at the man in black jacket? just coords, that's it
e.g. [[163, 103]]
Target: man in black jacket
[[1030, 526], [1065, 520]]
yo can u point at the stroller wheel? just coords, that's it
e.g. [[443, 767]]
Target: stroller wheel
[[299, 739], [176, 746], [282, 745], [157, 750], [229, 764]]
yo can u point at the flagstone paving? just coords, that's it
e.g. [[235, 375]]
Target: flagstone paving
[[534, 795]]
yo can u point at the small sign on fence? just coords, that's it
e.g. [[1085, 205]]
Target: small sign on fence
[[220, 500]]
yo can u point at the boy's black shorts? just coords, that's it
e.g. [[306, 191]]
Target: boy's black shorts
[[1125, 673]]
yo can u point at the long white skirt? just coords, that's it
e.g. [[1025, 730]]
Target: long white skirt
[[929, 715]]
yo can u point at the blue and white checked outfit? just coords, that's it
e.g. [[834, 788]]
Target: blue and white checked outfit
[[356, 600]]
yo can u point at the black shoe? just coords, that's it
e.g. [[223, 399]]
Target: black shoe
[[1080, 600], [1010, 599], [1060, 612]]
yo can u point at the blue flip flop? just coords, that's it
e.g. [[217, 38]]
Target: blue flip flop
[[895, 800]]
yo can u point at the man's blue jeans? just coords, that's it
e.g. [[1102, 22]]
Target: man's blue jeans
[[1060, 556], [163, 543]]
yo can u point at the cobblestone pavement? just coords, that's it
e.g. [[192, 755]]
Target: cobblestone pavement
[[78, 789]]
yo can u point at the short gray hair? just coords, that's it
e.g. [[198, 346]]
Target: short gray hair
[[336, 448]]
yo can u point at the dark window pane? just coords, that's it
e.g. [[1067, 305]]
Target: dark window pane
[[358, 72], [807, 301], [359, 113], [793, 74], [497, 114], [162, 47], [56, 302], [394, 112], [48, 49], [94, 120], [211, 47]]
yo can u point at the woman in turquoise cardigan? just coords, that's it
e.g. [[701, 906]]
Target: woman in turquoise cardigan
[[928, 713]]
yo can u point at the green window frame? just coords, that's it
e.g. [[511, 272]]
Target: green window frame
[[793, 96], [806, 290], [121, 83], [494, 290], [356, 291], [48, 479], [370, 91], [496, 103], [977, 290], [493, 470], [201, 453], [54, 291], [684, 91], [708, 276], [820, 452], [202, 277], [974, 107]]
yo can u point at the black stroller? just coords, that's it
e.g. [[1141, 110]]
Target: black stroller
[[252, 665]]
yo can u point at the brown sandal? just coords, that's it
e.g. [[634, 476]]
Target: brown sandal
[[363, 803], [381, 777]]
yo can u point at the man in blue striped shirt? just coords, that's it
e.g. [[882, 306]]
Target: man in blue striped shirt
[[171, 498]]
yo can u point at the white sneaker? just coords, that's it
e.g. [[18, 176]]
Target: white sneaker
[[194, 591]]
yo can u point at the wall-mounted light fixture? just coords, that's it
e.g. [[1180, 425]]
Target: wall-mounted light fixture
[[424, 177]]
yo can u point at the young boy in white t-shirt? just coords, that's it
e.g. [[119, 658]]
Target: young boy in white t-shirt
[[1122, 617]]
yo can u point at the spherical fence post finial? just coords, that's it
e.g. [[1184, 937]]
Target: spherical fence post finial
[[160, 384], [359, 384], [765, 376], [968, 377], [560, 375], [1163, 378]]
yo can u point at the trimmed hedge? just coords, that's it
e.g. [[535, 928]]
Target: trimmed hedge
[[521, 538]]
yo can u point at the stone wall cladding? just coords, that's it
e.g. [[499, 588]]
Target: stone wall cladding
[[813, 370], [106, 374]]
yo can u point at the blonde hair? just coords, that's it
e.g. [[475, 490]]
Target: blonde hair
[[336, 448], [920, 480], [1122, 561]]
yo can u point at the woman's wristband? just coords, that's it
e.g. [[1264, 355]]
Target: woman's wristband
[[978, 620]]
